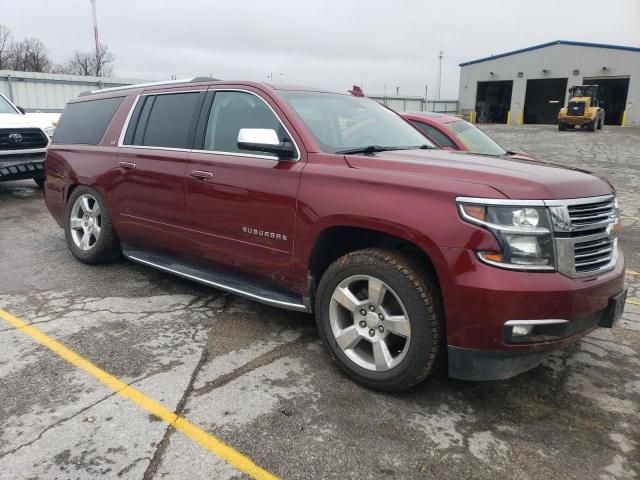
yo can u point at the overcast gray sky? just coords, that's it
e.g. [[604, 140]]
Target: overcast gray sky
[[333, 43]]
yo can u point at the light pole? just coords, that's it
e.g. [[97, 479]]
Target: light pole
[[95, 28]]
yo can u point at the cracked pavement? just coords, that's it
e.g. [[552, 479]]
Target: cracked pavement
[[259, 379]]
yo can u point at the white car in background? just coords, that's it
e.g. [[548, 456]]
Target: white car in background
[[24, 138]]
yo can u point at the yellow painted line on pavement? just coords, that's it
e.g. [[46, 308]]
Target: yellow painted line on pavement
[[181, 424], [633, 301], [633, 272]]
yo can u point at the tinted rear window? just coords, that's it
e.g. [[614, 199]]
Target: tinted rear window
[[170, 120], [85, 122]]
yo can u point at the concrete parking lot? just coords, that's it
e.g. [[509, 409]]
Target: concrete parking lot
[[259, 379]]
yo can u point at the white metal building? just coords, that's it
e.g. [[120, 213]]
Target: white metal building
[[48, 92], [531, 85]]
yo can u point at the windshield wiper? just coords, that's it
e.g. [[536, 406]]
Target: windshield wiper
[[369, 149], [366, 150]]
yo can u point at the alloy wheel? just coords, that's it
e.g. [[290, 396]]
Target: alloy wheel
[[85, 221], [369, 323]]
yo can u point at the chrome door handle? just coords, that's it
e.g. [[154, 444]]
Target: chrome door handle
[[128, 165], [202, 175]]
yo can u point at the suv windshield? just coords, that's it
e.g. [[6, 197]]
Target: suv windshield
[[6, 107], [341, 123], [475, 139]]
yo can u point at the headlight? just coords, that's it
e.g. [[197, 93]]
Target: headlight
[[49, 131], [522, 231]]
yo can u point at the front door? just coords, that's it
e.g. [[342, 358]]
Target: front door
[[241, 205]]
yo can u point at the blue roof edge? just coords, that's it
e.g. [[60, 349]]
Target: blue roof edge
[[549, 44]]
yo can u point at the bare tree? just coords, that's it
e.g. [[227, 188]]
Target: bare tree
[[29, 55], [89, 64], [5, 46], [104, 62]]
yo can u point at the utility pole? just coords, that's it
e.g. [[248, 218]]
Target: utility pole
[[95, 28], [440, 54], [426, 91]]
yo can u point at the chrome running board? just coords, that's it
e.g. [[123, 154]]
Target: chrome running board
[[231, 283]]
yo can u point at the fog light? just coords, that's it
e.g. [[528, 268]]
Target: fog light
[[521, 330]]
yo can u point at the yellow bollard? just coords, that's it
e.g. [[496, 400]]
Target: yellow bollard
[[624, 118], [509, 117], [520, 118]]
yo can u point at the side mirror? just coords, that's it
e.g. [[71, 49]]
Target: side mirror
[[22, 110], [265, 140]]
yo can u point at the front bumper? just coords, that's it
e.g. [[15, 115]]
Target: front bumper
[[575, 119], [479, 365], [18, 167], [479, 300]]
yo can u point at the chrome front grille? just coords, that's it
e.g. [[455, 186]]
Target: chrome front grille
[[592, 255], [584, 240], [590, 213]]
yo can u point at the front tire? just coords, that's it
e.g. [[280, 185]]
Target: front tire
[[562, 126], [88, 230], [591, 126], [377, 313]]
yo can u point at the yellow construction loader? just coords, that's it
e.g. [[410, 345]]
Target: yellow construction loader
[[584, 109]]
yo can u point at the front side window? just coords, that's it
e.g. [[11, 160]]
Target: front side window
[[167, 120], [474, 139], [434, 134], [232, 111], [6, 107], [343, 122]]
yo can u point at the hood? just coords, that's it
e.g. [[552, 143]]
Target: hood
[[30, 120], [524, 179]]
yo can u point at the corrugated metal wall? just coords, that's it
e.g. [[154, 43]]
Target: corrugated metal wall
[[48, 92], [559, 61]]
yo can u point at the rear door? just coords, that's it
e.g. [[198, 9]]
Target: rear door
[[149, 194], [241, 205]]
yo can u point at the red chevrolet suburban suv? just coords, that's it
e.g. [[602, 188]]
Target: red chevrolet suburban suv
[[330, 203]]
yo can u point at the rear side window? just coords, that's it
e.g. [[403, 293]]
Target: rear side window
[[435, 134], [165, 120], [85, 122]]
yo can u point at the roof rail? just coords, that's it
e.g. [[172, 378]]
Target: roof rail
[[152, 84]]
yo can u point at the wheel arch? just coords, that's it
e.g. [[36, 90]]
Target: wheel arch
[[335, 241]]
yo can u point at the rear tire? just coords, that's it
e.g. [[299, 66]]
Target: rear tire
[[87, 228], [395, 344], [600, 123], [562, 126], [591, 126]]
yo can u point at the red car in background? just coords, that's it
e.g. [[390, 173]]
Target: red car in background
[[453, 133]]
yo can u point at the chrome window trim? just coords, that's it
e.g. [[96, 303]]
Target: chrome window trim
[[123, 132]]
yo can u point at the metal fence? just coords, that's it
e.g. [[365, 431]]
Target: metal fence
[[49, 92], [417, 104]]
